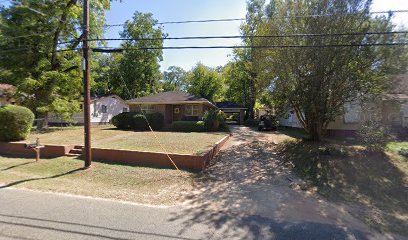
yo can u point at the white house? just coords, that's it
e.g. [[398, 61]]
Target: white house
[[103, 109], [394, 113]]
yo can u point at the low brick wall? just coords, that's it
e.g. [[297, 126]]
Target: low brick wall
[[157, 159], [17, 149], [139, 158]]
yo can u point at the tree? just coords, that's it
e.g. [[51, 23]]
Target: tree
[[237, 77], [137, 71], [34, 33], [257, 11], [316, 82], [205, 82], [175, 78]]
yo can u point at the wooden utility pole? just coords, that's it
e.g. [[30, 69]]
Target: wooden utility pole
[[87, 87]]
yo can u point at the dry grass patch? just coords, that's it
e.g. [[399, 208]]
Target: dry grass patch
[[128, 183], [373, 184], [110, 137]]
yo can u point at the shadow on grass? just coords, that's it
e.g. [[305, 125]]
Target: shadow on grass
[[40, 178], [370, 181], [16, 166]]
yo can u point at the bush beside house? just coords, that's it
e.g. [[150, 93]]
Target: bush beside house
[[137, 121], [215, 121], [188, 126], [15, 122]]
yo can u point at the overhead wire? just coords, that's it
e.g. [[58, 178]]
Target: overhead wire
[[243, 19], [255, 36], [147, 121]]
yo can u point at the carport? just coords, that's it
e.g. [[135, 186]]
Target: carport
[[231, 108]]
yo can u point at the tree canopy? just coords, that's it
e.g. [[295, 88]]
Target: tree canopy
[[317, 81], [136, 72], [205, 82], [33, 35]]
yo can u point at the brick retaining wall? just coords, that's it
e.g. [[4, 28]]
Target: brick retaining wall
[[157, 159], [139, 158], [17, 149]]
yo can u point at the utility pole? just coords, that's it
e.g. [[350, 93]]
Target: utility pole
[[87, 87]]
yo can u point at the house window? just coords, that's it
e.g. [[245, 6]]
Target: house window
[[352, 112], [104, 109], [125, 110], [191, 110], [147, 108]]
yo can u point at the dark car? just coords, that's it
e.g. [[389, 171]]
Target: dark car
[[267, 122]]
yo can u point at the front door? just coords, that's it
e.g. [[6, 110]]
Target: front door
[[177, 113]]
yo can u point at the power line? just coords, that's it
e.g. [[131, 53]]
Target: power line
[[260, 36], [243, 19], [111, 49]]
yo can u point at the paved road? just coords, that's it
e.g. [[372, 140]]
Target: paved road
[[244, 196]]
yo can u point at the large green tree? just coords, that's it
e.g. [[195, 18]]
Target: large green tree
[[136, 72], [317, 81], [35, 35], [205, 82], [236, 75], [257, 12], [174, 78]]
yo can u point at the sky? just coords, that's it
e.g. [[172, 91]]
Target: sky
[[180, 10]]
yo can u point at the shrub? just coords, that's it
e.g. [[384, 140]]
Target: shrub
[[122, 120], [156, 120], [374, 136], [213, 120], [15, 122], [137, 121], [188, 126], [403, 152], [251, 123]]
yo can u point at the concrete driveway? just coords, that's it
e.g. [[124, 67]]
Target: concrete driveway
[[246, 194]]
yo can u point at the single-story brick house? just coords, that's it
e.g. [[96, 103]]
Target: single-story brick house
[[174, 105]]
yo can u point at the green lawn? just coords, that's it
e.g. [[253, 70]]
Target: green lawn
[[109, 137], [135, 184]]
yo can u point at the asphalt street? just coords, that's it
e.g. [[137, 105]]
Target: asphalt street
[[30, 215]]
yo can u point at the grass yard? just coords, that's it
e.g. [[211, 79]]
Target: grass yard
[[135, 184], [373, 185], [109, 137]]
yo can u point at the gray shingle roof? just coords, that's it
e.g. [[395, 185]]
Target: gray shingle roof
[[165, 97], [232, 105]]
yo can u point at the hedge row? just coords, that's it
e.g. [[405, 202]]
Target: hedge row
[[137, 121], [188, 126]]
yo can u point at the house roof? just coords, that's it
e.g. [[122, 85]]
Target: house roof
[[169, 97], [229, 105]]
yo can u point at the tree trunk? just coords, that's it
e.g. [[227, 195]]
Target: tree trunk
[[252, 96], [316, 131], [42, 121]]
